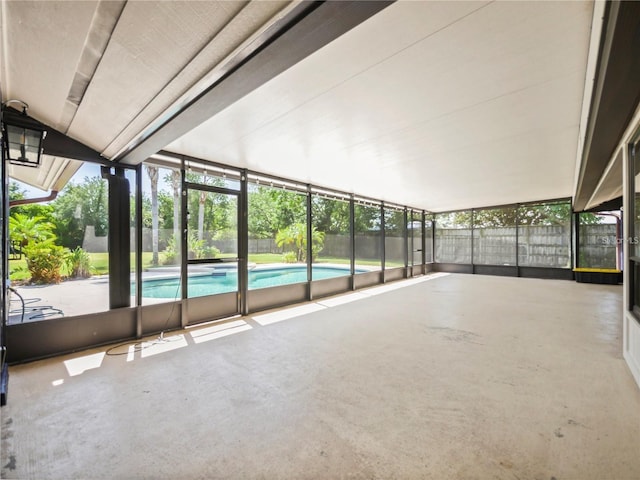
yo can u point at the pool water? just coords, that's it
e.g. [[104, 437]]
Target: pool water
[[227, 281]]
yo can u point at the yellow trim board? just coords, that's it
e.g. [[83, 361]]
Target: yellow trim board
[[597, 270]]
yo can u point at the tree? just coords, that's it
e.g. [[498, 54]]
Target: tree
[[166, 212], [80, 205], [146, 210], [45, 211], [44, 258], [176, 183], [295, 236], [153, 177], [330, 216], [394, 224], [273, 209], [217, 212], [544, 214], [201, 201], [263, 212], [366, 219], [26, 229], [588, 218], [16, 192]]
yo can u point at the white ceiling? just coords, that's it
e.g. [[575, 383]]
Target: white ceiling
[[437, 105], [103, 71]]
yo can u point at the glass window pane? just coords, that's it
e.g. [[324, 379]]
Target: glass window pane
[[332, 255], [428, 240], [415, 238], [205, 279], [494, 236], [394, 228], [453, 237], [131, 176], [368, 238], [161, 234], [598, 240], [635, 241], [212, 225], [544, 235], [277, 236], [59, 251], [634, 228], [212, 233]]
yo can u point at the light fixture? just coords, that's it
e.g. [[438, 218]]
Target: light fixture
[[22, 136]]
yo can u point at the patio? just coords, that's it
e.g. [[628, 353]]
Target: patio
[[69, 298], [437, 377]]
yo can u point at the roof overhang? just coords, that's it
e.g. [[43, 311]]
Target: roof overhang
[[616, 96]]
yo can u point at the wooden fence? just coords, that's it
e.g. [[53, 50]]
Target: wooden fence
[[538, 246]]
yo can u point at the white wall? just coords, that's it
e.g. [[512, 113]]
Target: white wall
[[631, 325]]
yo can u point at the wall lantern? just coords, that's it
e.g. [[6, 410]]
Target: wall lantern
[[22, 136]]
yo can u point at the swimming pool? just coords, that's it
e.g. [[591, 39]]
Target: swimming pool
[[226, 280]]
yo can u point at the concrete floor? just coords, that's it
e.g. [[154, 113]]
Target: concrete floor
[[450, 377]]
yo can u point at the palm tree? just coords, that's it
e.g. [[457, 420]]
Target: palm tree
[[176, 183], [26, 229], [296, 236], [201, 202], [153, 176]]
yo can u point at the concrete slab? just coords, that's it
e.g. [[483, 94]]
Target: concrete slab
[[458, 377]]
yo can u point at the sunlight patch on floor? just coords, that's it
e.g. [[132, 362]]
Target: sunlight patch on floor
[[348, 298], [286, 314], [167, 344], [218, 331], [79, 365]]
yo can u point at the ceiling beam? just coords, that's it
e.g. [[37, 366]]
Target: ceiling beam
[[55, 143]]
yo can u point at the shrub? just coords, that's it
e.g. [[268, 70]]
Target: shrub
[[44, 261], [170, 253], [211, 251], [196, 247], [197, 250], [26, 229], [289, 257], [78, 263], [295, 237]]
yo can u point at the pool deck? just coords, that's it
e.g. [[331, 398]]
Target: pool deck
[[71, 297]]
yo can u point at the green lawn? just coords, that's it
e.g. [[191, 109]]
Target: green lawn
[[18, 270], [100, 262], [265, 258], [99, 265], [346, 261]]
